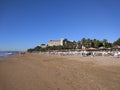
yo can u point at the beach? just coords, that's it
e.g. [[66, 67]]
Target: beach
[[53, 72]]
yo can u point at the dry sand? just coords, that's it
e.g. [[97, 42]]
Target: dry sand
[[43, 72]]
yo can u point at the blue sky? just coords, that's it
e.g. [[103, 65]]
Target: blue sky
[[28, 23]]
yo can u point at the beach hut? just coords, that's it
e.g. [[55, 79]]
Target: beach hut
[[116, 48], [91, 49], [102, 48]]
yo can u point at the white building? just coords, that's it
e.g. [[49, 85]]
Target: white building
[[43, 45], [60, 42]]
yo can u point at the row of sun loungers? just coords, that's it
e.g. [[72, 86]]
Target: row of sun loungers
[[85, 53]]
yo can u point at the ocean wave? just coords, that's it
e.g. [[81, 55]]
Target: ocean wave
[[7, 53]]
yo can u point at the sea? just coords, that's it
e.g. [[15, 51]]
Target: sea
[[4, 54]]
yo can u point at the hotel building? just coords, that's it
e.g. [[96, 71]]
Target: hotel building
[[60, 42]]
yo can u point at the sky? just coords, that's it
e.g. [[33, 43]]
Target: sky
[[27, 23]]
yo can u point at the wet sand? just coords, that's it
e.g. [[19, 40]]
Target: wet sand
[[44, 72]]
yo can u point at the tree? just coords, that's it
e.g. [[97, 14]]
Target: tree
[[109, 45], [30, 50], [96, 43], [79, 44], [37, 48], [105, 42], [117, 42], [83, 41], [88, 43], [70, 45]]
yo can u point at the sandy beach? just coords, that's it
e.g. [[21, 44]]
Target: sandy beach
[[45, 72]]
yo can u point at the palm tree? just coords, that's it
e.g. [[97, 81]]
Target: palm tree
[[96, 43], [84, 42], [88, 43], [104, 42], [117, 42]]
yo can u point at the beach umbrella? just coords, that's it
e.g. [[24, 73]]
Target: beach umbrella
[[117, 47], [101, 47], [92, 49]]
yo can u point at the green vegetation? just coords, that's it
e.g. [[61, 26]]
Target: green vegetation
[[117, 42], [73, 45]]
